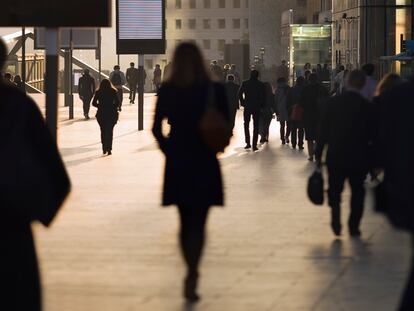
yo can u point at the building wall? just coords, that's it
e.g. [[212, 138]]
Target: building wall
[[266, 26], [315, 7]]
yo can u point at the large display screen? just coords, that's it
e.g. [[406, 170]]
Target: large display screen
[[140, 26]]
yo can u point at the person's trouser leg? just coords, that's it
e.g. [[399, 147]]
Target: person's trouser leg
[[256, 123], [133, 89], [86, 106], [282, 131], [103, 136], [120, 96], [247, 117], [336, 186], [407, 300], [288, 130], [293, 135], [301, 135], [311, 149], [356, 181], [109, 132]]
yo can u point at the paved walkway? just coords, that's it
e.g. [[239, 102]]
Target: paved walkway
[[112, 248]]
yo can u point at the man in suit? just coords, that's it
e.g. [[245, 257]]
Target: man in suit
[[132, 80], [86, 90], [232, 90], [347, 128], [252, 98]]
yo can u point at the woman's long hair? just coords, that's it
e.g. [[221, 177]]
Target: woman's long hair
[[188, 66], [388, 82], [106, 86]]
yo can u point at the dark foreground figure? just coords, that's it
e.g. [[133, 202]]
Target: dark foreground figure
[[192, 174], [347, 129], [33, 185], [396, 159], [107, 101]]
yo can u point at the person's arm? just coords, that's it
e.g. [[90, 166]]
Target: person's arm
[[160, 115], [93, 86], [80, 88], [323, 137], [95, 100], [128, 75], [241, 94], [123, 80], [116, 100]]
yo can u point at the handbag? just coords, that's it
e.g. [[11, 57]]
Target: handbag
[[316, 187], [297, 113], [214, 128]]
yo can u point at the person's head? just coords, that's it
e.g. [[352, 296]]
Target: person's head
[[368, 69], [3, 54], [132, 64], [341, 68], [188, 66], [157, 66], [214, 62], [226, 67], [105, 85], [230, 78], [300, 81], [8, 76], [281, 81], [233, 66], [307, 66], [17, 79], [116, 67], [313, 78], [356, 79], [254, 74], [390, 81], [86, 71]]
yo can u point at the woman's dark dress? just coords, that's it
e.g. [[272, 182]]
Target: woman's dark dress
[[192, 172], [107, 103]]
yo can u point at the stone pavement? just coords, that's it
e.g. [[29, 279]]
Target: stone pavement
[[112, 248]]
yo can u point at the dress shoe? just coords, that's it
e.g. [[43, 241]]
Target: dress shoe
[[255, 148], [109, 152], [190, 286], [248, 147], [336, 221]]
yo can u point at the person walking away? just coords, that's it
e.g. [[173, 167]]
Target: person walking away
[[216, 71], [252, 99], [371, 84], [8, 79], [132, 81], [19, 83], [167, 71], [282, 71], [118, 80], [157, 78], [192, 178], [33, 187], [233, 71], [86, 90], [396, 161], [267, 113], [107, 101], [232, 90], [295, 111], [282, 109], [339, 81], [226, 70], [346, 129], [313, 99]]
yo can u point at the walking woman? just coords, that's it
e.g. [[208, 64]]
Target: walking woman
[[192, 175], [267, 114], [107, 102]]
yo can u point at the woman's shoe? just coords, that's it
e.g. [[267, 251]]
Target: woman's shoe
[[190, 285], [109, 152]]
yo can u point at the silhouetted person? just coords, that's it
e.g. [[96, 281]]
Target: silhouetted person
[[118, 80], [313, 98], [294, 103], [132, 80], [396, 159], [192, 175], [282, 71], [339, 81], [325, 73], [347, 127], [233, 71], [232, 90], [19, 83], [267, 113], [157, 77], [107, 101], [252, 98], [282, 112], [8, 79], [216, 71], [33, 186], [86, 90], [371, 84]]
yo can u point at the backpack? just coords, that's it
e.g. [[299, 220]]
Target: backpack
[[116, 79]]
